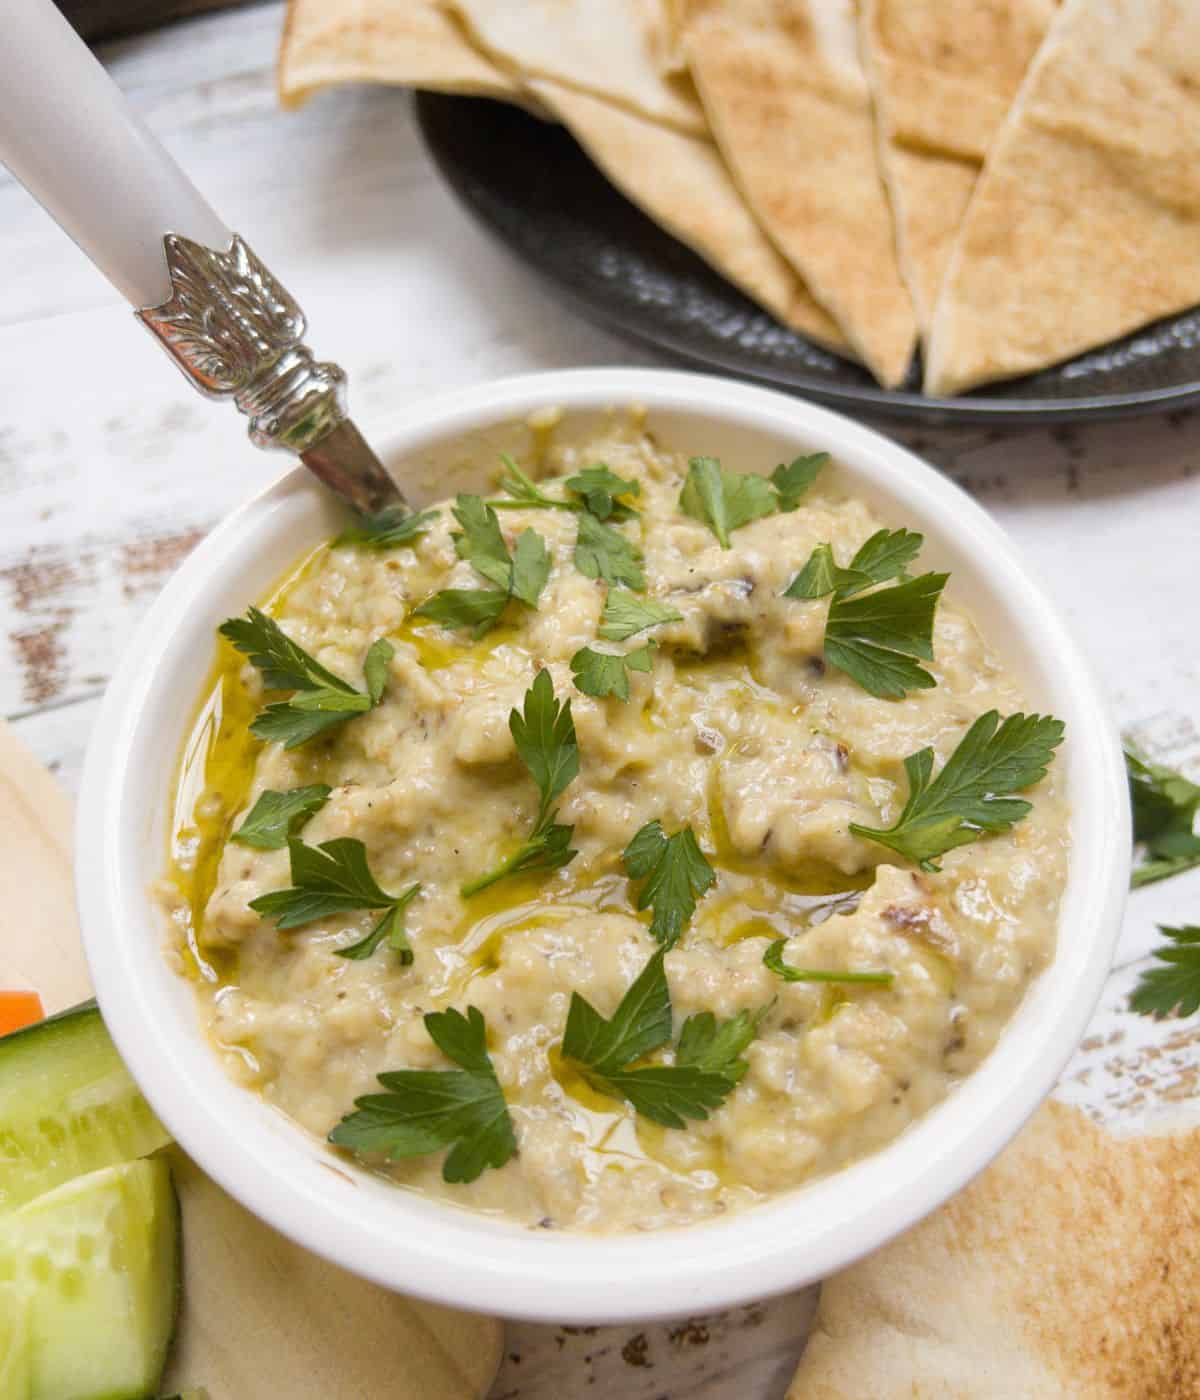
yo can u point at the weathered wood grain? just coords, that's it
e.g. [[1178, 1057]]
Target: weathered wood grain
[[111, 469]]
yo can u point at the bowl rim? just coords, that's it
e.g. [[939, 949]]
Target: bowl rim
[[453, 1256]]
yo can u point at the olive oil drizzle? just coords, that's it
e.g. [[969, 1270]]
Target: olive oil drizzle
[[212, 784]]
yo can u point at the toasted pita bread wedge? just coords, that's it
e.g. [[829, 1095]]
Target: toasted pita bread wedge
[[788, 102], [412, 43], [1085, 223], [682, 183], [619, 50], [1068, 1271], [943, 74]]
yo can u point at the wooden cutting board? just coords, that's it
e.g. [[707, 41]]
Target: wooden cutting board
[[260, 1315]]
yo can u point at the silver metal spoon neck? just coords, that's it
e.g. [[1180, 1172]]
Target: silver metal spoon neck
[[236, 332]]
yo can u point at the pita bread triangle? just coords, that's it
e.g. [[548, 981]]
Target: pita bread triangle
[[1068, 1271], [619, 50], [682, 183], [413, 43], [787, 100], [1085, 223], [943, 74]]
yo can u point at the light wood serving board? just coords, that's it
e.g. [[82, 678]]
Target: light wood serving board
[[261, 1317]]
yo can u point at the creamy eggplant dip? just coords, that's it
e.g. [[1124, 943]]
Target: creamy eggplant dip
[[580, 812]]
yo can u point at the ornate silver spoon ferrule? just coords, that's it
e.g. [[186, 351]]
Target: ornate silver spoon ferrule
[[236, 331]]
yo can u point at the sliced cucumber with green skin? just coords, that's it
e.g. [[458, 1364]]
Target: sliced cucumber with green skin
[[67, 1106], [14, 1343], [97, 1261]]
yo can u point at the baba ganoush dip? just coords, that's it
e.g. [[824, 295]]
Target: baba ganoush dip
[[749, 723]]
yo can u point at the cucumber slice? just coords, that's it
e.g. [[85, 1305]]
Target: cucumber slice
[[14, 1343], [67, 1106], [98, 1263]]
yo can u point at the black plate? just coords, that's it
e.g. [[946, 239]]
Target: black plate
[[532, 185]]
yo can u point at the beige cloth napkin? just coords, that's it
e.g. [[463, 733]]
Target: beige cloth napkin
[[260, 1315]]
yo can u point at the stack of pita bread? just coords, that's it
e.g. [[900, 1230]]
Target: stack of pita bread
[[1005, 182]]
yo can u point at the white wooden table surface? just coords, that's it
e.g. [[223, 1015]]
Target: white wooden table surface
[[111, 469]]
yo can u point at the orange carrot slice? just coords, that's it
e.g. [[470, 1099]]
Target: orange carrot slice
[[19, 1009]]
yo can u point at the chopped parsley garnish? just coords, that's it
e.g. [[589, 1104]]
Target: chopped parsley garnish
[[973, 793], [600, 490], [1174, 988], [477, 609], [322, 700], [708, 1063], [1165, 804], [708, 1044], [524, 493], [276, 816], [603, 673], [885, 556], [604, 553], [389, 929], [676, 875], [334, 878], [387, 529], [530, 567], [480, 541], [625, 614], [792, 480], [544, 734], [724, 500], [521, 574], [773, 958], [424, 1110], [874, 637]]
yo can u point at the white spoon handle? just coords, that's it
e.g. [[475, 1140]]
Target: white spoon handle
[[68, 135]]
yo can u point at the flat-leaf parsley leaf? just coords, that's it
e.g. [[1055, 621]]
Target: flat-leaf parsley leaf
[[724, 500], [604, 553], [603, 673], [707, 1061], [334, 878], [530, 568], [706, 1043], [1173, 989], [477, 609], [874, 636], [544, 734], [424, 1110], [1165, 804], [600, 490], [322, 700], [521, 574], [277, 815], [625, 614], [480, 540], [676, 874], [973, 793], [792, 480]]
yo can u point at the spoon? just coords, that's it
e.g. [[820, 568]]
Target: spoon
[[68, 135]]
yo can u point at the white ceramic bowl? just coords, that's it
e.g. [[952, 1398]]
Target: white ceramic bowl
[[421, 1246]]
